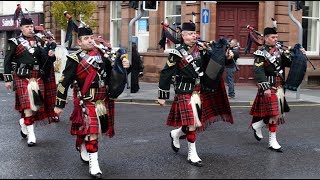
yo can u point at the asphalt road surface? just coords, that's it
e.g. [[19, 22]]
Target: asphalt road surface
[[141, 147]]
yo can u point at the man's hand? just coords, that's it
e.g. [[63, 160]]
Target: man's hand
[[58, 111], [50, 53], [8, 85], [229, 54], [125, 62], [161, 102], [267, 93], [303, 51]]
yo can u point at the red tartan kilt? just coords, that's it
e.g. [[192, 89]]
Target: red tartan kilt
[[216, 106], [264, 106], [93, 125], [50, 94], [22, 100], [181, 111]]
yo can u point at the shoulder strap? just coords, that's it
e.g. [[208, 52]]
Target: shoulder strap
[[273, 60]]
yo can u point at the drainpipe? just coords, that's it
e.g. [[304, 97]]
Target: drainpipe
[[130, 45], [299, 37]]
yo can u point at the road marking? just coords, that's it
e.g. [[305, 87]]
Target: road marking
[[154, 104]]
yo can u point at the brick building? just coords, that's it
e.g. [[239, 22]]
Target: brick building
[[226, 18]]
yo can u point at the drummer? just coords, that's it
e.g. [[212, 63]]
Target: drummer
[[270, 103]]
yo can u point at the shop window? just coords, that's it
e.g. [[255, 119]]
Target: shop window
[[311, 27], [172, 18], [115, 25]]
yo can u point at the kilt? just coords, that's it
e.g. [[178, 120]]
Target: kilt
[[50, 94], [22, 100], [181, 113], [265, 107], [91, 124], [214, 107]]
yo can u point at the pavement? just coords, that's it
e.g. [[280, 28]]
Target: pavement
[[245, 94]]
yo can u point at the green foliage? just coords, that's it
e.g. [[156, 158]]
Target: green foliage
[[74, 8]]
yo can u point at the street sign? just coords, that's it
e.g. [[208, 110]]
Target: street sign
[[205, 16]]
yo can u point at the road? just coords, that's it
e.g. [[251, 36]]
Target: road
[[141, 147]]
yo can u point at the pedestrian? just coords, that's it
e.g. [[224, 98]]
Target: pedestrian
[[195, 106], [231, 66], [270, 103], [26, 52], [88, 71], [136, 69], [50, 81]]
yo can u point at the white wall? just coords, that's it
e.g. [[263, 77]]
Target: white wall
[[9, 7]]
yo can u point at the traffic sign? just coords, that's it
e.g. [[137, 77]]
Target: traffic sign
[[205, 16]]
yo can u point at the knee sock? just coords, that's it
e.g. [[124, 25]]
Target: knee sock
[[92, 146], [272, 127], [79, 141], [28, 120], [191, 136]]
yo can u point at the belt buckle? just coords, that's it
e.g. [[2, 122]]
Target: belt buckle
[[36, 67], [197, 81]]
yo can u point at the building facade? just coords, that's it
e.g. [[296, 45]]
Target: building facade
[[10, 28], [222, 18]]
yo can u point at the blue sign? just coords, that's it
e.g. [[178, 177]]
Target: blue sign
[[205, 16], [142, 25]]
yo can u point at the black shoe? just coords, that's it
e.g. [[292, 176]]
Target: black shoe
[[198, 164], [255, 135], [31, 144], [23, 135], [96, 176], [276, 150], [175, 149]]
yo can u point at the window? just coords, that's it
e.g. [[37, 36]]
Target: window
[[311, 27], [172, 17], [115, 25]]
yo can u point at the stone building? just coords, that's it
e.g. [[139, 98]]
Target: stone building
[[223, 18]]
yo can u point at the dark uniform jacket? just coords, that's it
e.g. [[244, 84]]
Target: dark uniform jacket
[[265, 72], [74, 72], [185, 73], [17, 56], [229, 62]]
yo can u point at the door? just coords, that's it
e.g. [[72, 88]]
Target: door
[[232, 21]]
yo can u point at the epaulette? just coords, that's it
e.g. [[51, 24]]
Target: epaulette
[[74, 55], [175, 52], [14, 40], [258, 53]]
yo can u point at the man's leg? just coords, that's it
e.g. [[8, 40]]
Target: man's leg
[[193, 157], [28, 121], [273, 143], [91, 143], [257, 125], [175, 136]]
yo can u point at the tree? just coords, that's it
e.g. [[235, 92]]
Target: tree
[[74, 8]]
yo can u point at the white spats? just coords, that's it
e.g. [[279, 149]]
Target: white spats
[[94, 168], [31, 136], [273, 143], [257, 127], [193, 157]]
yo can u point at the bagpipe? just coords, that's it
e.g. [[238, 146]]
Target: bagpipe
[[214, 68], [299, 59]]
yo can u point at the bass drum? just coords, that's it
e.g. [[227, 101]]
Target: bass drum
[[61, 58]]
